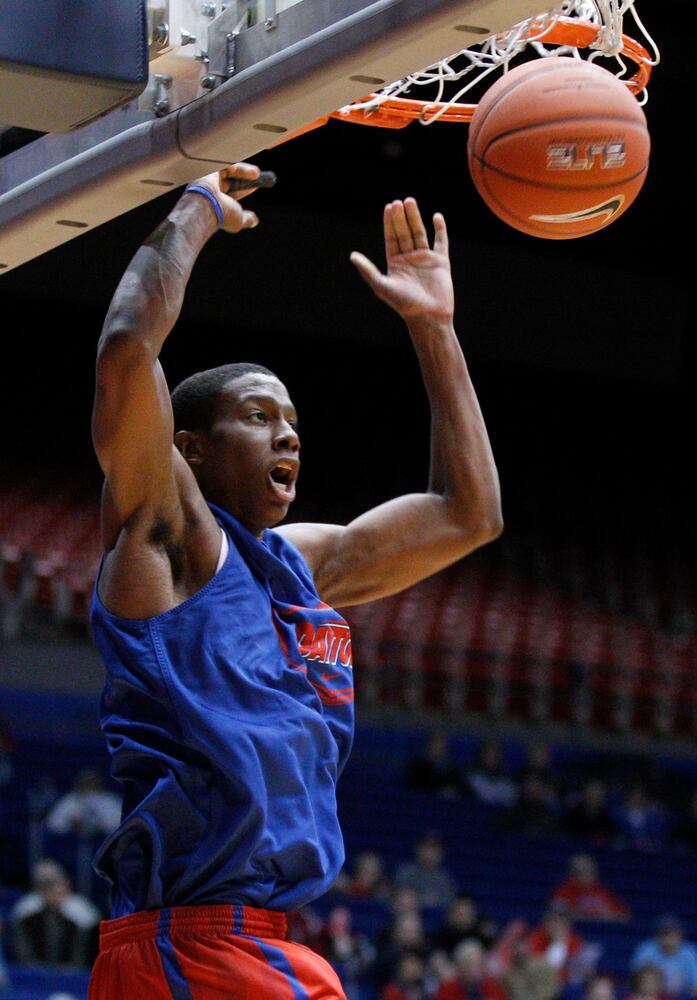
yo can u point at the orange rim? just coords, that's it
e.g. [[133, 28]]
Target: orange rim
[[397, 112]]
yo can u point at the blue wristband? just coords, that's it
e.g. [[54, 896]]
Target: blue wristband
[[207, 193]]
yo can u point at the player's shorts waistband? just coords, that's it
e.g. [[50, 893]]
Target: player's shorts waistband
[[215, 921]]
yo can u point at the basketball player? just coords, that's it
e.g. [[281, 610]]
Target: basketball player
[[228, 699]]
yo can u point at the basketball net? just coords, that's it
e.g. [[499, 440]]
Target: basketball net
[[565, 29]]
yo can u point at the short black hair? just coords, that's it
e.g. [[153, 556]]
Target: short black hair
[[194, 400]]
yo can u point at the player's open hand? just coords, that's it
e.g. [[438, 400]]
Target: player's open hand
[[418, 283], [235, 218]]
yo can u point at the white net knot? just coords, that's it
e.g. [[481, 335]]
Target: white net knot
[[608, 41]]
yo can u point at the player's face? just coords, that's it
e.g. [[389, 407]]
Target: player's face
[[253, 452]]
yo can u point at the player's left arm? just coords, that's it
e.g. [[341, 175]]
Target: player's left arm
[[411, 537]]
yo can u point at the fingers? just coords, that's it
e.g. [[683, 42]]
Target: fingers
[[404, 228], [415, 222], [440, 240], [367, 270], [249, 171], [249, 220], [392, 247], [239, 219], [238, 171]]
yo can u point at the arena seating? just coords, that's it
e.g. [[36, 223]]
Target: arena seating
[[49, 546], [513, 631], [510, 875]]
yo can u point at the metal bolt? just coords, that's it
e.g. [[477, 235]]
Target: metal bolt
[[208, 82], [160, 104], [209, 9], [186, 37], [231, 40], [160, 34], [270, 23]]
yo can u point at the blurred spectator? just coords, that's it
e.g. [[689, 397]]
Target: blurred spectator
[[426, 874], [434, 770], [470, 981], [536, 809], [404, 899], [530, 977], [404, 934], [410, 980], [463, 922], [87, 809], [590, 817], [599, 987], [685, 832], [52, 925], [585, 897], [641, 821], [538, 764], [559, 944], [647, 983], [367, 880], [672, 955], [488, 779], [351, 955]]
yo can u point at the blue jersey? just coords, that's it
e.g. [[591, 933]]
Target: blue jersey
[[229, 719]]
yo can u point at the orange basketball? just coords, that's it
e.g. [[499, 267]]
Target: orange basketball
[[558, 148]]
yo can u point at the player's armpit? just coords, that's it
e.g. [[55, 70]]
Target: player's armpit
[[387, 549]]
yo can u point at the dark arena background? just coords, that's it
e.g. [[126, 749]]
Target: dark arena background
[[557, 665]]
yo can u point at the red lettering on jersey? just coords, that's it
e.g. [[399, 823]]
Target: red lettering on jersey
[[329, 643]]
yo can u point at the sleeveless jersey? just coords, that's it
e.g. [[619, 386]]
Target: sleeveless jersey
[[228, 719]]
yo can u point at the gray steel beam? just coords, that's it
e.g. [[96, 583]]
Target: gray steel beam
[[289, 80]]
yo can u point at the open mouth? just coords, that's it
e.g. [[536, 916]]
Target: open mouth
[[282, 477]]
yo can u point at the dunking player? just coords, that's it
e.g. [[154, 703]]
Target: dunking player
[[228, 700]]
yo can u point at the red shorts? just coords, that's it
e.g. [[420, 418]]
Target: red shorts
[[207, 953]]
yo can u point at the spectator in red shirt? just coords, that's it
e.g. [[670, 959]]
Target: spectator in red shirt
[[558, 943], [471, 980], [585, 897]]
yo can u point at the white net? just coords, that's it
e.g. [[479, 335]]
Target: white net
[[471, 65]]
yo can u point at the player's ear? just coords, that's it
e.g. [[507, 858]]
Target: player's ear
[[192, 446]]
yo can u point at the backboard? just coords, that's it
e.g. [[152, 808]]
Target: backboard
[[226, 80]]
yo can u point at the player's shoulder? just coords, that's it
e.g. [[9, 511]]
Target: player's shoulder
[[311, 539]]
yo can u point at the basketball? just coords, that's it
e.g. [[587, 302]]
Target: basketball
[[558, 148]]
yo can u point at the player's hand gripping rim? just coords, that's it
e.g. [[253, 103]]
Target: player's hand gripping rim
[[234, 217]]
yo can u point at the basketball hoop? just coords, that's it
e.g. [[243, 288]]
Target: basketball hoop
[[593, 25]]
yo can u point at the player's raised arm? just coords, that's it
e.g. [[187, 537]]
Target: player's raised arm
[[409, 538], [132, 417]]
